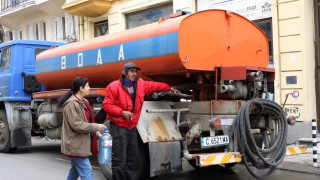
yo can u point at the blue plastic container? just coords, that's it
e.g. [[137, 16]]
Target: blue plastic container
[[105, 148]]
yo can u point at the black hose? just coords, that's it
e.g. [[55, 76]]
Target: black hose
[[269, 157]]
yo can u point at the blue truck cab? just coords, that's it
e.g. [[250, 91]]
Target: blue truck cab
[[18, 118], [17, 68]]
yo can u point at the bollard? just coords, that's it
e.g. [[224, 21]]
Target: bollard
[[314, 142]]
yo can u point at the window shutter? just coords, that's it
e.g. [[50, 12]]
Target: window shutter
[[70, 28]]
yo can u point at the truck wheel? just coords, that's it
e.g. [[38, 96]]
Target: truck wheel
[[230, 165], [144, 170], [5, 134], [106, 170], [192, 162]]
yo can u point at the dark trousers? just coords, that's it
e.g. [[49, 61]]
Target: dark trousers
[[125, 164]]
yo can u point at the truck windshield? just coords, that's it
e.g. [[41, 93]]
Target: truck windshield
[[5, 57]]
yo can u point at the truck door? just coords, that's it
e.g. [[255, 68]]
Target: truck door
[[30, 83], [5, 56]]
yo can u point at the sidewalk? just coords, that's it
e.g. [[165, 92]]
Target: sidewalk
[[301, 162]]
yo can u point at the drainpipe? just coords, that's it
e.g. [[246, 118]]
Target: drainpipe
[[81, 28]]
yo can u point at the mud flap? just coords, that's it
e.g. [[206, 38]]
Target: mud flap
[[20, 123], [157, 127], [165, 158]]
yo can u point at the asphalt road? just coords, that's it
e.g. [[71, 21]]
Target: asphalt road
[[43, 160]]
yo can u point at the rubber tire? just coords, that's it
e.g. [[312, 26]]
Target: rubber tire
[[230, 165], [6, 146], [144, 172], [208, 168]]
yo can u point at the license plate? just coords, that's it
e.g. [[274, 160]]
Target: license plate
[[214, 141]]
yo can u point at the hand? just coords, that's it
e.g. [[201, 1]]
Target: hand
[[102, 127], [127, 114], [98, 134], [175, 90]]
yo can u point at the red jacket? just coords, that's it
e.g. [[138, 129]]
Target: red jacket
[[118, 99]]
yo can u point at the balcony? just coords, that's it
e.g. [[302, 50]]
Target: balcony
[[7, 5], [14, 12], [87, 8]]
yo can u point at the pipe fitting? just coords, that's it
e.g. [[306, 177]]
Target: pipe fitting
[[228, 88], [184, 124], [186, 153]]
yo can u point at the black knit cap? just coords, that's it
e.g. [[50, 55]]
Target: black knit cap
[[127, 66]]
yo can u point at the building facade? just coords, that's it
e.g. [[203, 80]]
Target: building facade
[[37, 20], [292, 28], [122, 14], [294, 34]]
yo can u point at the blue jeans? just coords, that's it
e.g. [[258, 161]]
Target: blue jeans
[[80, 167]]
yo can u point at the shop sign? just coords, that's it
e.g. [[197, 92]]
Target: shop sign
[[251, 9]]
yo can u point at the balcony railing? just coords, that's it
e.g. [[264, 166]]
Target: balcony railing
[[12, 4]]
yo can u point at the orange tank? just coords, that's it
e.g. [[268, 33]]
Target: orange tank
[[167, 51]]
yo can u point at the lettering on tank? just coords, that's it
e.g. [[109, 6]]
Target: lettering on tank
[[99, 60], [80, 59], [121, 53], [63, 62]]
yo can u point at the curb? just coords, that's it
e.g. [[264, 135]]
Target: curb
[[298, 167]]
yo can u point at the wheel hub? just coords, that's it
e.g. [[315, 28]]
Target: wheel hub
[[3, 132]]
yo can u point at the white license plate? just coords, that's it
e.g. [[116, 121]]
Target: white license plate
[[214, 141]]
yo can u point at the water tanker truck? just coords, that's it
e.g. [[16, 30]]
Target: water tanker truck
[[217, 59]]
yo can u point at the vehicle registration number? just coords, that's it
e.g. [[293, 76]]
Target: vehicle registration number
[[214, 141]]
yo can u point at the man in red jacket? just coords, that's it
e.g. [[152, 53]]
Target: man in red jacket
[[123, 103]]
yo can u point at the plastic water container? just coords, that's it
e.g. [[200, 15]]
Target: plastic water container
[[105, 148]]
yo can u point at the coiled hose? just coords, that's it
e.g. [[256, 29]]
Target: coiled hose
[[269, 157]]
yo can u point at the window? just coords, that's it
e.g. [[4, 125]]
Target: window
[[43, 30], [54, 29], [8, 36], [5, 57], [62, 27], [2, 34], [71, 33], [29, 35], [148, 16], [101, 28], [266, 26], [18, 34], [7, 4], [35, 31]]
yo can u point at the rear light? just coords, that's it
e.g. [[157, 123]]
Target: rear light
[[291, 120], [215, 123]]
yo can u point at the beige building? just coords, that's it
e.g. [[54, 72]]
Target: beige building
[[296, 45], [292, 28], [110, 16]]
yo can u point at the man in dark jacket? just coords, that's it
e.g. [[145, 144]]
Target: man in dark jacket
[[123, 103]]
